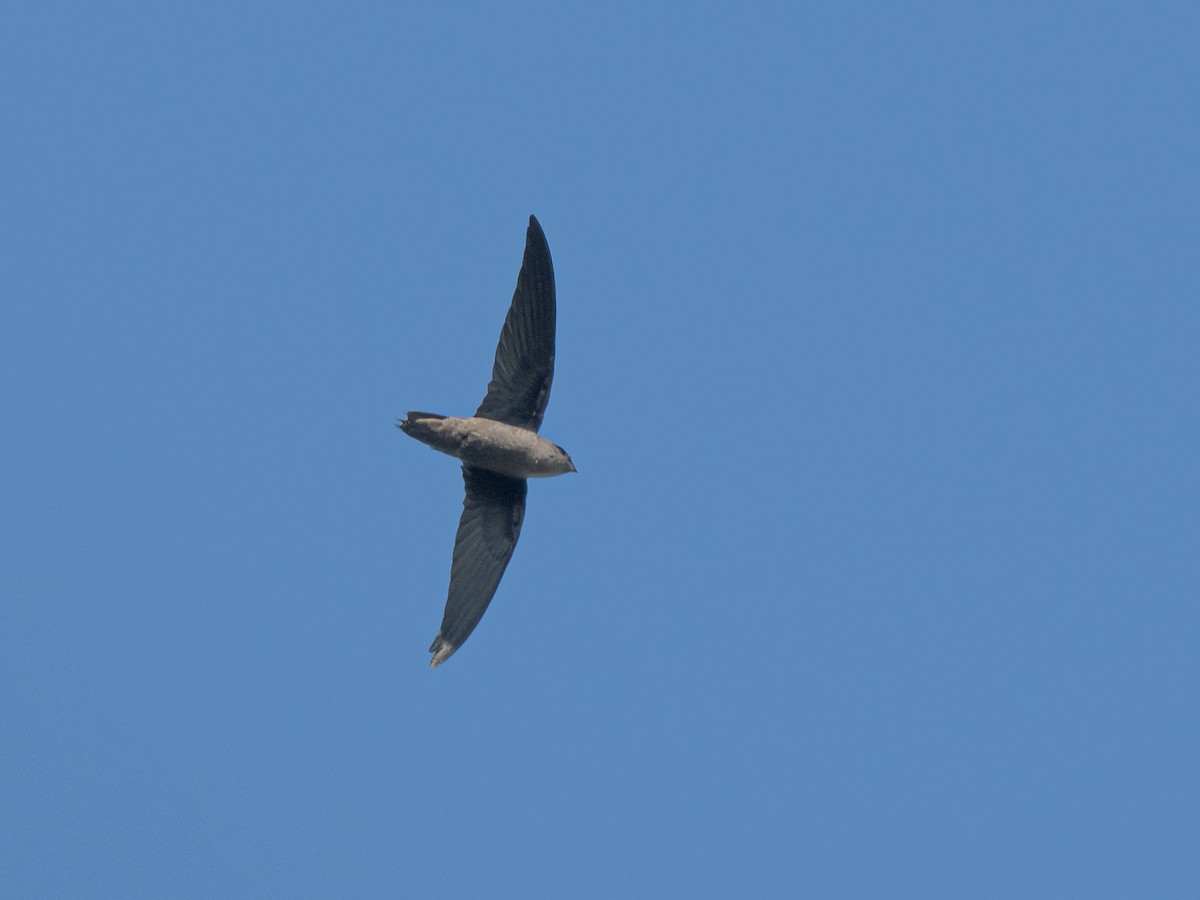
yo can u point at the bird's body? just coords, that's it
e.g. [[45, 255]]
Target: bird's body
[[487, 444], [499, 447]]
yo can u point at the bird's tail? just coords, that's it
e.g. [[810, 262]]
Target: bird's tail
[[416, 424]]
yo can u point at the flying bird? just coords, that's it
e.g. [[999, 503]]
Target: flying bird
[[499, 447]]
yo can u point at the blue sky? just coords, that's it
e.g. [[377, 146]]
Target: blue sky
[[877, 353]]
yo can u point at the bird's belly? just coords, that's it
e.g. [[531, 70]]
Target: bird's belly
[[503, 448]]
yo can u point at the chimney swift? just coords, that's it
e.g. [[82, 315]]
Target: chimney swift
[[499, 447]]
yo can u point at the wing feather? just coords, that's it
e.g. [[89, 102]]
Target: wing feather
[[493, 510], [524, 366]]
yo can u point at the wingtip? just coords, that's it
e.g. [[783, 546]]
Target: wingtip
[[442, 650]]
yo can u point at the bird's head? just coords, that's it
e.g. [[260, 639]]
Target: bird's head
[[563, 462]]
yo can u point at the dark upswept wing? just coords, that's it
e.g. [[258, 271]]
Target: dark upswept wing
[[487, 533], [524, 366]]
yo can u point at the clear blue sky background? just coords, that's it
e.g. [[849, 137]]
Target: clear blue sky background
[[879, 354]]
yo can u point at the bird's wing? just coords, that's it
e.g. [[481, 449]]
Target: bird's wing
[[487, 533], [524, 366]]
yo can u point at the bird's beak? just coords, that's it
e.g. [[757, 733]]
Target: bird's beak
[[572, 464]]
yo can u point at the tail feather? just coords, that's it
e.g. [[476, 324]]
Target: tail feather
[[414, 423]]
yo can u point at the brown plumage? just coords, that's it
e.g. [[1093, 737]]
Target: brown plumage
[[499, 447]]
